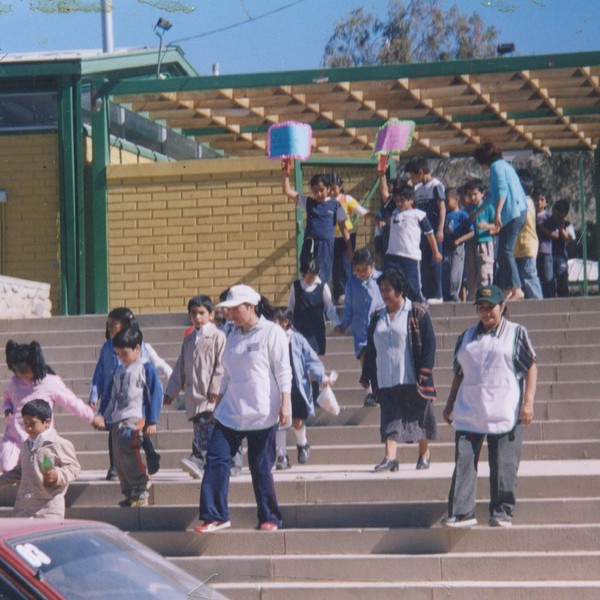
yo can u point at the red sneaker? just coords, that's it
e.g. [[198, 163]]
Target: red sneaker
[[268, 526], [209, 526]]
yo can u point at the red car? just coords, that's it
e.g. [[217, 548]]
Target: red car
[[53, 560]]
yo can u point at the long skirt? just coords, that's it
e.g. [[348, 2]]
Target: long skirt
[[405, 415]]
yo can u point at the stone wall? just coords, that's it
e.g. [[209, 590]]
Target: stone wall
[[22, 299]]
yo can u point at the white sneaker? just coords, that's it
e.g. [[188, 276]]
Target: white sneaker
[[435, 300], [460, 522], [192, 466], [209, 526]]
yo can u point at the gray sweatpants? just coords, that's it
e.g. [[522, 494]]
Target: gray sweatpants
[[504, 456]]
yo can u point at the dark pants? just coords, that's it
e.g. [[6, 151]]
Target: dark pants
[[342, 267], [431, 272], [322, 252], [224, 444], [410, 269], [126, 437], [504, 456], [147, 445], [561, 276]]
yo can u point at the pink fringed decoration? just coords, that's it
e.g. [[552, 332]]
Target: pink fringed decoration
[[289, 140], [394, 137]]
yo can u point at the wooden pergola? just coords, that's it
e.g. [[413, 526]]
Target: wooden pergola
[[540, 103]]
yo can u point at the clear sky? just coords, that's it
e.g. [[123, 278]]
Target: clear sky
[[292, 37]]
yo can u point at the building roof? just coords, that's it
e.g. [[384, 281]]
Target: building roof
[[122, 63], [541, 103]]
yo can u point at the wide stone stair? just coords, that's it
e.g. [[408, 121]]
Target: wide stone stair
[[352, 533]]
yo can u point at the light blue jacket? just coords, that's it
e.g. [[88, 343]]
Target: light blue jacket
[[362, 300], [504, 183], [304, 362]]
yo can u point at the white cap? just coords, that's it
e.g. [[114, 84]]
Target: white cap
[[240, 294]]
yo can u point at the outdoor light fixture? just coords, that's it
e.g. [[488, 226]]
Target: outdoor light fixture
[[502, 49], [161, 26]]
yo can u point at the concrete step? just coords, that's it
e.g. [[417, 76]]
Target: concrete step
[[323, 484], [370, 453], [376, 541], [498, 566], [418, 590], [422, 515]]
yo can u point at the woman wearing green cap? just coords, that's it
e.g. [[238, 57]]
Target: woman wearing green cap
[[491, 396]]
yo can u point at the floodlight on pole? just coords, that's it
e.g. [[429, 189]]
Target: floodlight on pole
[[507, 48], [162, 25]]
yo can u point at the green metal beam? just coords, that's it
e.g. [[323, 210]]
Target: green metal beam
[[40, 68], [353, 74], [67, 198], [597, 195], [96, 214], [583, 225], [79, 195]]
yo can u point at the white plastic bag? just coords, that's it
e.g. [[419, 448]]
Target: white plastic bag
[[326, 399]]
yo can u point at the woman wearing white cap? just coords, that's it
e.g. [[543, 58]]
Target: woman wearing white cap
[[254, 399]]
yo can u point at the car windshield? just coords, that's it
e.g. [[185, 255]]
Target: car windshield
[[87, 563]]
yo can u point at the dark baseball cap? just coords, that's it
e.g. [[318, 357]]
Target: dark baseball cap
[[489, 293]]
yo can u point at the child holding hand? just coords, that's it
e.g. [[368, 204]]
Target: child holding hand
[[33, 379], [131, 408]]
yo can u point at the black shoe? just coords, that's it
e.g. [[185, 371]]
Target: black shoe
[[303, 454], [153, 463], [423, 462], [370, 400], [387, 465], [111, 474], [126, 503], [283, 463]]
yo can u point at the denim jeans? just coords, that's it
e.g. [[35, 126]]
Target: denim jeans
[[223, 446], [410, 269], [509, 274], [504, 456], [545, 265], [532, 288]]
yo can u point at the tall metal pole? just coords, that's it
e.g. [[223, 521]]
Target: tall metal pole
[[108, 43], [583, 225]]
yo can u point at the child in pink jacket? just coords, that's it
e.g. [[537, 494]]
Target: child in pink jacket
[[33, 379]]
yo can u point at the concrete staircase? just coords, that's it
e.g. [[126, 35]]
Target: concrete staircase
[[349, 532]]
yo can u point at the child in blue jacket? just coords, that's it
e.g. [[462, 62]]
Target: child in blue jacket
[[131, 409]]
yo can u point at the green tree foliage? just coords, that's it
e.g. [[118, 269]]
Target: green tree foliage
[[414, 31]]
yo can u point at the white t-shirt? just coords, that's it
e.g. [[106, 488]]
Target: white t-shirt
[[406, 228]]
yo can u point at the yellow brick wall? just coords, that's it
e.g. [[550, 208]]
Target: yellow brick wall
[[179, 229], [29, 174]]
